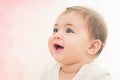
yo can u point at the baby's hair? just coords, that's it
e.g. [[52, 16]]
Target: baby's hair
[[96, 24]]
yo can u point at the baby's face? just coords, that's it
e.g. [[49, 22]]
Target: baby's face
[[70, 39]]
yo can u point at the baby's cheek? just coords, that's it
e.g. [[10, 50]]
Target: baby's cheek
[[71, 42]]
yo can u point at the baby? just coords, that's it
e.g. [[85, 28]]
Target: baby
[[79, 35]]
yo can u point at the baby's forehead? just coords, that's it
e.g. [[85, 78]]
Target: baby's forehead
[[72, 12], [81, 18], [71, 16], [77, 14]]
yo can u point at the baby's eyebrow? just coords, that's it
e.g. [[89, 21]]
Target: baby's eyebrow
[[55, 24], [70, 25], [66, 25]]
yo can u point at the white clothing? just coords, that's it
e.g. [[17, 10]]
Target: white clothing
[[87, 72]]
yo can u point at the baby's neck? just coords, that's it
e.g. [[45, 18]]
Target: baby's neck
[[72, 68], [67, 72]]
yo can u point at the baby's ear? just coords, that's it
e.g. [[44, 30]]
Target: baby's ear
[[94, 47]]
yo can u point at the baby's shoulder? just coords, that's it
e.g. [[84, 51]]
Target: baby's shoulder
[[97, 69], [98, 72]]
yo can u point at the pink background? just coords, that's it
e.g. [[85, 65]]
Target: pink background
[[21, 38]]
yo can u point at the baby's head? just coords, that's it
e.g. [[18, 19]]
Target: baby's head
[[79, 35], [96, 25]]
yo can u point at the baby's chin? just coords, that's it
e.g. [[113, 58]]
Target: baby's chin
[[59, 57]]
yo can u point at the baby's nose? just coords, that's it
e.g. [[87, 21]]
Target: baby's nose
[[58, 35]]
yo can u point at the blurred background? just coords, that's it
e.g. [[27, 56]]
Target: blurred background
[[25, 26]]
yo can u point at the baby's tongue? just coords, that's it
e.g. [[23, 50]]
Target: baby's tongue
[[58, 47]]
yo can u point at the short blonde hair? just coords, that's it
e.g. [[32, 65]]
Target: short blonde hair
[[96, 24]]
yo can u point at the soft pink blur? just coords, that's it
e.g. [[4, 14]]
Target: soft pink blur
[[16, 19]]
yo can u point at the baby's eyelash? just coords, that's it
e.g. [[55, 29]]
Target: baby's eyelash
[[69, 30], [55, 30]]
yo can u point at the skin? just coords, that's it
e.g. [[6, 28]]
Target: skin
[[71, 32]]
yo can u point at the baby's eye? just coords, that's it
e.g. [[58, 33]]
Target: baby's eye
[[68, 30], [55, 30]]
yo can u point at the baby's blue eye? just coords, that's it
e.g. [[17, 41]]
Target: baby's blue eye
[[55, 30], [68, 30]]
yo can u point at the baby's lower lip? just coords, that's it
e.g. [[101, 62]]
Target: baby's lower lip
[[58, 51], [59, 48]]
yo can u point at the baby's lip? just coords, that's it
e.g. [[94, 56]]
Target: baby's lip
[[58, 46]]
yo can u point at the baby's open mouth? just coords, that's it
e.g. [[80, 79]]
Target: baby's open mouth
[[58, 46]]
